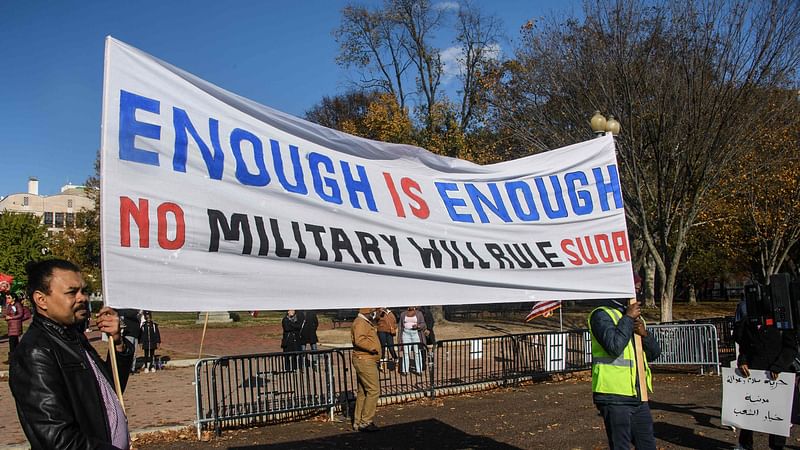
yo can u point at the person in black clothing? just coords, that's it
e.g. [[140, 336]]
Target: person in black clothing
[[131, 326], [150, 338], [763, 348], [63, 390], [291, 342], [308, 332], [430, 336]]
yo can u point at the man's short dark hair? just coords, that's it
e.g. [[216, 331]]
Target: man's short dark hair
[[41, 272]]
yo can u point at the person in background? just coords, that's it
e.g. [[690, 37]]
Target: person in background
[[430, 336], [366, 352], [763, 348], [131, 329], [615, 383], [150, 338], [63, 390], [14, 314], [387, 329], [412, 324], [291, 341], [308, 333]]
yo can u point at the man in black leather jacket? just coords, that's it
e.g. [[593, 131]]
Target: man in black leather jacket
[[63, 390]]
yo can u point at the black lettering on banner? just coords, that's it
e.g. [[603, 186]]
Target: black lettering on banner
[[339, 242], [317, 231], [499, 256], [369, 246], [392, 241], [428, 255], [550, 257], [217, 220]]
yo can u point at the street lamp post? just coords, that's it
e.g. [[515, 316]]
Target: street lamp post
[[601, 126]]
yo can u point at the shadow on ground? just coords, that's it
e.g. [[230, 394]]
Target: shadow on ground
[[686, 437], [683, 436], [421, 434]]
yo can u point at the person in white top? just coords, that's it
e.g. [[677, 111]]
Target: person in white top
[[412, 324]]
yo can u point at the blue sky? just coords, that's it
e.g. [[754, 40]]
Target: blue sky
[[278, 53]]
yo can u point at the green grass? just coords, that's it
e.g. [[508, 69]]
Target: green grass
[[191, 319]]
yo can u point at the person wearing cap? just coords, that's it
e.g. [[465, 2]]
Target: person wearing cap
[[366, 353], [615, 385]]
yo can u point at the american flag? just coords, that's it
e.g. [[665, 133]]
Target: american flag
[[543, 308]]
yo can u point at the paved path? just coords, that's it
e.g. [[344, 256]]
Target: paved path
[[152, 400], [167, 398]]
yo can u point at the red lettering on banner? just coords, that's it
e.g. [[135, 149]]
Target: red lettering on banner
[[128, 209], [180, 226], [140, 213], [597, 248], [398, 206], [421, 209]]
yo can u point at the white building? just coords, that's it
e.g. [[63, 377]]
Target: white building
[[55, 211]]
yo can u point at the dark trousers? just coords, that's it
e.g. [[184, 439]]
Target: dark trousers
[[149, 357], [387, 341], [13, 341], [746, 440], [626, 424]]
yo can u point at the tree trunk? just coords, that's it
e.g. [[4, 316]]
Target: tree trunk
[[649, 285], [438, 314], [692, 295], [666, 306]]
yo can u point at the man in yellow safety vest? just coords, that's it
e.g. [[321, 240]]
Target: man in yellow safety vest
[[615, 384]]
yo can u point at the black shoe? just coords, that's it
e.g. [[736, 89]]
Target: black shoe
[[370, 428]]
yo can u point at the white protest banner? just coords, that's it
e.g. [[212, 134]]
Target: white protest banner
[[212, 202], [757, 402]]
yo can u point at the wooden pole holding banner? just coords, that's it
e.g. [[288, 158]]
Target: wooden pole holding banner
[[112, 353], [203, 337], [640, 372]]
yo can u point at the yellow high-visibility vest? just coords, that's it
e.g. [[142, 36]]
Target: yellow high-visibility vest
[[615, 375]]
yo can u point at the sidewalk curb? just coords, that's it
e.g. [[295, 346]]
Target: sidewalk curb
[[134, 434]]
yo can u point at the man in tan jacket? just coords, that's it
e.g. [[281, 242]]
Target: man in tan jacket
[[366, 353]]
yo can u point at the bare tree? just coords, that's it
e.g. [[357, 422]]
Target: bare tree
[[682, 77], [392, 48], [420, 20], [372, 42], [478, 36]]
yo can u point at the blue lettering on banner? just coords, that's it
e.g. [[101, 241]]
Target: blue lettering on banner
[[604, 188], [355, 186], [300, 183], [260, 178], [315, 160], [478, 199], [512, 187], [524, 200], [556, 202], [561, 209], [451, 203], [129, 128], [214, 163], [581, 200]]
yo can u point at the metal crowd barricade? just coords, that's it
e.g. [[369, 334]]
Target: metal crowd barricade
[[725, 341], [242, 390], [687, 344]]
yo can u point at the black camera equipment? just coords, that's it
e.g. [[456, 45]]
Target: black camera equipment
[[776, 305]]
